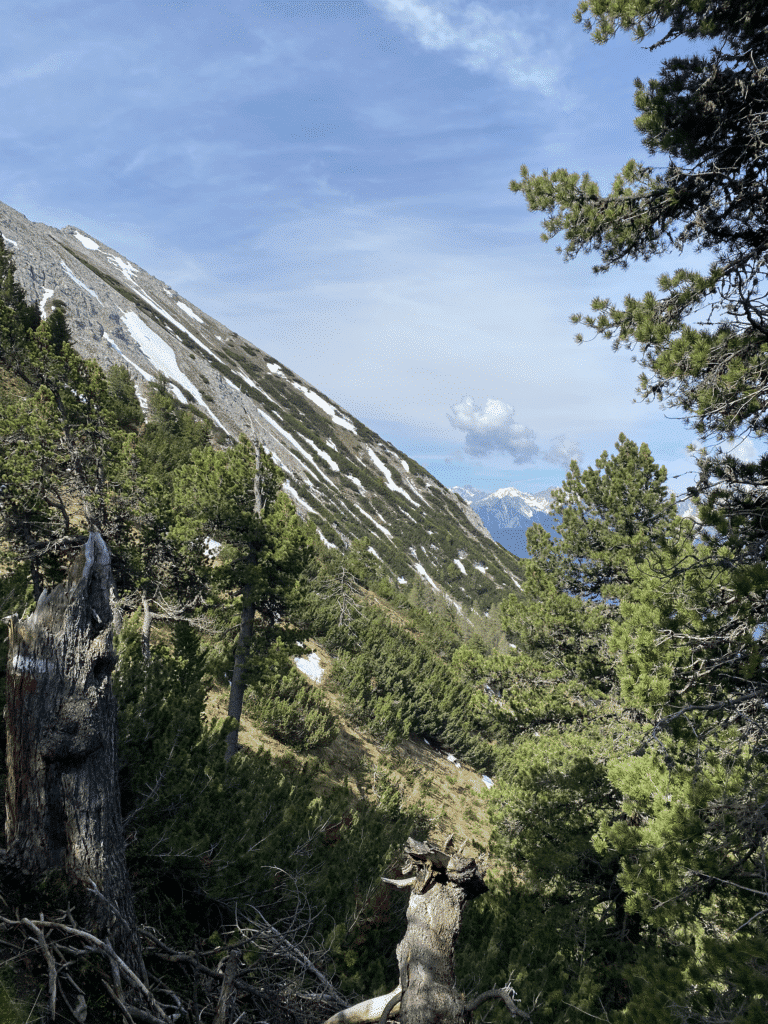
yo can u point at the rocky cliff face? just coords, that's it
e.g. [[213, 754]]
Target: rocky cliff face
[[343, 477]]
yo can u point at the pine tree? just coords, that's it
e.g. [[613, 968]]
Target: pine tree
[[12, 294], [687, 640], [611, 517], [233, 497], [58, 422], [554, 793], [702, 337]]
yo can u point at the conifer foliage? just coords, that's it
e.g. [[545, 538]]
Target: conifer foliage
[[233, 498], [638, 793]]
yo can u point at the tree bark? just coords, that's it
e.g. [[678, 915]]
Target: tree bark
[[146, 630], [236, 685], [442, 883], [247, 617], [62, 796], [442, 886]]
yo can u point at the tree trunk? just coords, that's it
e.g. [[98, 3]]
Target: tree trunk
[[427, 993], [247, 616], [236, 685], [62, 796], [146, 630], [443, 884]]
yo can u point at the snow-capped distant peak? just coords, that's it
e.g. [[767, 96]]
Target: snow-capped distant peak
[[508, 513], [469, 494], [532, 500]]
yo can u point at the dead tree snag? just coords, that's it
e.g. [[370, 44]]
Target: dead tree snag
[[62, 797], [441, 882]]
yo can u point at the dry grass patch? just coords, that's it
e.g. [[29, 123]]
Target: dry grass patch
[[447, 797]]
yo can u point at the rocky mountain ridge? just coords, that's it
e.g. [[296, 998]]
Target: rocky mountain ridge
[[508, 513], [341, 476]]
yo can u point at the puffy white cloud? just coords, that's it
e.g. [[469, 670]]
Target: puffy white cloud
[[743, 448], [492, 428]]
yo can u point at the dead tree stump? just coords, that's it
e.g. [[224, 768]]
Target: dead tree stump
[[62, 796], [441, 885], [441, 882]]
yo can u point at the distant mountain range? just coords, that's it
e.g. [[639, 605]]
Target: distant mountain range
[[508, 513], [341, 476]]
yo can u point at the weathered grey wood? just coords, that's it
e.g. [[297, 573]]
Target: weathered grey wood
[[370, 1011], [442, 884], [62, 796]]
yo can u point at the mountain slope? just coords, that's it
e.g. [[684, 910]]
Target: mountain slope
[[343, 477], [508, 513]]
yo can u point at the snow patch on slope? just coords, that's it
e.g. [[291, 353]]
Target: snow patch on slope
[[305, 454], [321, 403], [425, 575], [255, 386], [86, 242], [387, 474], [80, 284], [126, 269], [323, 455], [112, 344], [377, 524], [297, 498], [162, 356], [310, 666], [41, 304], [189, 311]]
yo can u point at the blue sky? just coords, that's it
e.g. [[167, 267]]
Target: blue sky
[[329, 179]]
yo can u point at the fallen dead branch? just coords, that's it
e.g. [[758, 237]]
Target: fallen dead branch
[[256, 974]]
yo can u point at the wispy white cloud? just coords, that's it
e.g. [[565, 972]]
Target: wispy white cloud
[[562, 452], [51, 64], [483, 38], [492, 428]]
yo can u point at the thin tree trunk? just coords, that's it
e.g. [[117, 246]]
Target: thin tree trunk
[[237, 685], [62, 796], [247, 616], [146, 630]]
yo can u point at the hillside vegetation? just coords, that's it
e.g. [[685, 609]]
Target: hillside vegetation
[[309, 828], [618, 700]]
